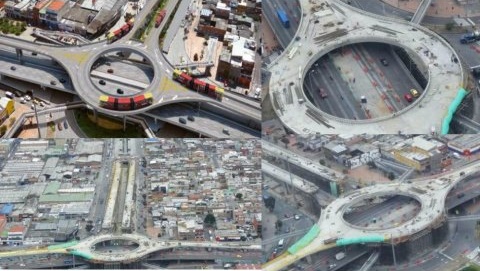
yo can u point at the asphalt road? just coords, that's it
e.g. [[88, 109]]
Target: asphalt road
[[269, 10], [341, 100]]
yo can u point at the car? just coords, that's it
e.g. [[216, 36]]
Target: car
[[62, 80], [182, 121], [384, 61], [53, 82], [297, 217], [59, 125], [13, 68], [27, 98], [65, 125], [323, 93], [191, 118], [287, 230], [461, 195], [42, 104], [226, 131], [102, 82], [333, 265], [34, 53], [414, 92], [110, 70], [119, 91], [408, 97], [32, 106]]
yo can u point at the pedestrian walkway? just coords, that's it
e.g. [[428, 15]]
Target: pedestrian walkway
[[440, 8]]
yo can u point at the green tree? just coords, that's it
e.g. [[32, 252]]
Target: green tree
[[209, 220], [449, 26], [239, 196], [322, 162], [278, 224], [391, 175]]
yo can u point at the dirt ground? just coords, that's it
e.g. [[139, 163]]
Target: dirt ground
[[366, 176], [268, 38], [440, 8]]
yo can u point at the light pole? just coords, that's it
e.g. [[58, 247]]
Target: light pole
[[36, 115], [393, 251]]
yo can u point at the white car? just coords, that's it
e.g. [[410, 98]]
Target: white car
[[28, 98], [297, 217]]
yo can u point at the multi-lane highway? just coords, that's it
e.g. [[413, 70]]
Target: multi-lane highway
[[77, 63], [430, 192], [317, 39]]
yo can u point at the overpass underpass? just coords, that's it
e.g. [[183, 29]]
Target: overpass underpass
[[323, 177], [421, 11], [213, 255], [216, 119]]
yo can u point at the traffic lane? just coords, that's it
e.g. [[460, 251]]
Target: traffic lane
[[39, 74], [202, 119], [283, 35], [39, 60], [343, 89], [467, 52], [401, 81], [332, 99]]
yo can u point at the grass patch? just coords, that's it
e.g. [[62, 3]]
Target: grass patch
[[472, 267], [142, 32], [92, 130]]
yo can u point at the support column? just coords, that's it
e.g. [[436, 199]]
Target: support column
[[95, 116], [19, 55]]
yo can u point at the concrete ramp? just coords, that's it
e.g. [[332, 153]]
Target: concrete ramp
[[421, 11]]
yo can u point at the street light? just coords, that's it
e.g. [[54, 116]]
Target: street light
[[36, 115]]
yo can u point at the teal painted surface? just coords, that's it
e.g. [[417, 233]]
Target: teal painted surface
[[359, 240], [82, 254], [305, 240], [333, 189], [63, 245], [451, 110]]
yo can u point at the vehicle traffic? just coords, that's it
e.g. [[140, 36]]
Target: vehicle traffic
[[127, 103], [198, 85]]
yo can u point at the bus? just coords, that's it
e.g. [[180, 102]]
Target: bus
[[280, 244], [282, 16]]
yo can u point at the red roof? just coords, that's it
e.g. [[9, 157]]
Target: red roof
[[17, 228], [56, 5], [111, 99]]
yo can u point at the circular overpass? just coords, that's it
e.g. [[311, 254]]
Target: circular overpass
[[352, 26]]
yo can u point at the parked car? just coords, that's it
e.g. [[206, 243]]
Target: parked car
[[384, 61], [182, 121]]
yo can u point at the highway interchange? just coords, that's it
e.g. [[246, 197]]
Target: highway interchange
[[290, 69], [77, 62]]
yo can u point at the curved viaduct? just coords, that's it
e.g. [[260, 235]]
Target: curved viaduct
[[430, 192], [315, 38], [146, 245], [78, 60]]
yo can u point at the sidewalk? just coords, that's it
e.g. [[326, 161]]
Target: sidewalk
[[440, 8]]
